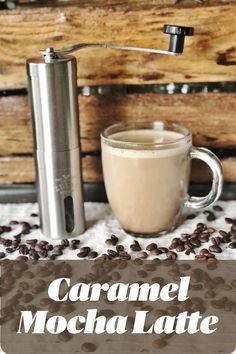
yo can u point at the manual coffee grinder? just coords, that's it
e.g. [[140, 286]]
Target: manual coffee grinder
[[54, 107]]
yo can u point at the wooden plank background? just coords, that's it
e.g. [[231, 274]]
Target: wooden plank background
[[210, 56], [205, 114], [20, 169]]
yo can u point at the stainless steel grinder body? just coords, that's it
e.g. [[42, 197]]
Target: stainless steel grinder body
[[54, 108]]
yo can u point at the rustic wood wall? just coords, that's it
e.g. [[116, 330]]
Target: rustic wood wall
[[210, 56]]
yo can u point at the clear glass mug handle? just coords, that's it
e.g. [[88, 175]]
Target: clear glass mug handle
[[217, 183]]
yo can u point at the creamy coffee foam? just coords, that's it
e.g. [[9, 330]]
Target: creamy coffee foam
[[146, 188], [146, 137]]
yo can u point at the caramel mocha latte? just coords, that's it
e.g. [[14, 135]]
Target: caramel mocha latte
[[146, 186]]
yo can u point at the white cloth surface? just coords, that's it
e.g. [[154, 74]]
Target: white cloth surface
[[101, 224]]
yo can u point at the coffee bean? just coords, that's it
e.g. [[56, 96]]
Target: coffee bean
[[115, 276], [25, 224], [228, 220], [151, 247], [125, 256], [142, 274], [49, 247], [35, 227], [142, 255], [119, 248], [65, 242], [23, 249], [76, 242], [211, 230], [215, 249], [211, 217], [112, 253], [22, 258], [217, 208], [188, 245], [57, 248], [13, 222], [8, 243], [171, 255], [17, 237], [210, 255], [194, 235], [88, 347], [23, 285], [180, 248], [15, 244], [67, 308], [52, 257], [45, 301], [210, 294], [200, 225], [92, 254], [191, 216], [223, 233], [84, 251], [115, 238], [173, 245], [26, 298], [159, 343], [33, 254], [53, 307], [64, 336], [163, 249], [204, 239], [2, 241], [38, 289], [28, 274], [199, 257], [72, 246], [225, 239], [10, 250], [233, 227], [43, 253], [156, 252], [232, 245], [187, 252], [2, 255], [184, 237], [58, 253], [204, 251], [215, 241], [195, 242], [172, 310], [25, 230], [110, 242], [43, 243], [233, 283], [31, 241], [135, 247], [38, 247]]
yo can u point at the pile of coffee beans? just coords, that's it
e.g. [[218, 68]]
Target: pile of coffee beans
[[33, 249], [189, 243]]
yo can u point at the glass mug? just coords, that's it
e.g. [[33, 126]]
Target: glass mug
[[146, 168]]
